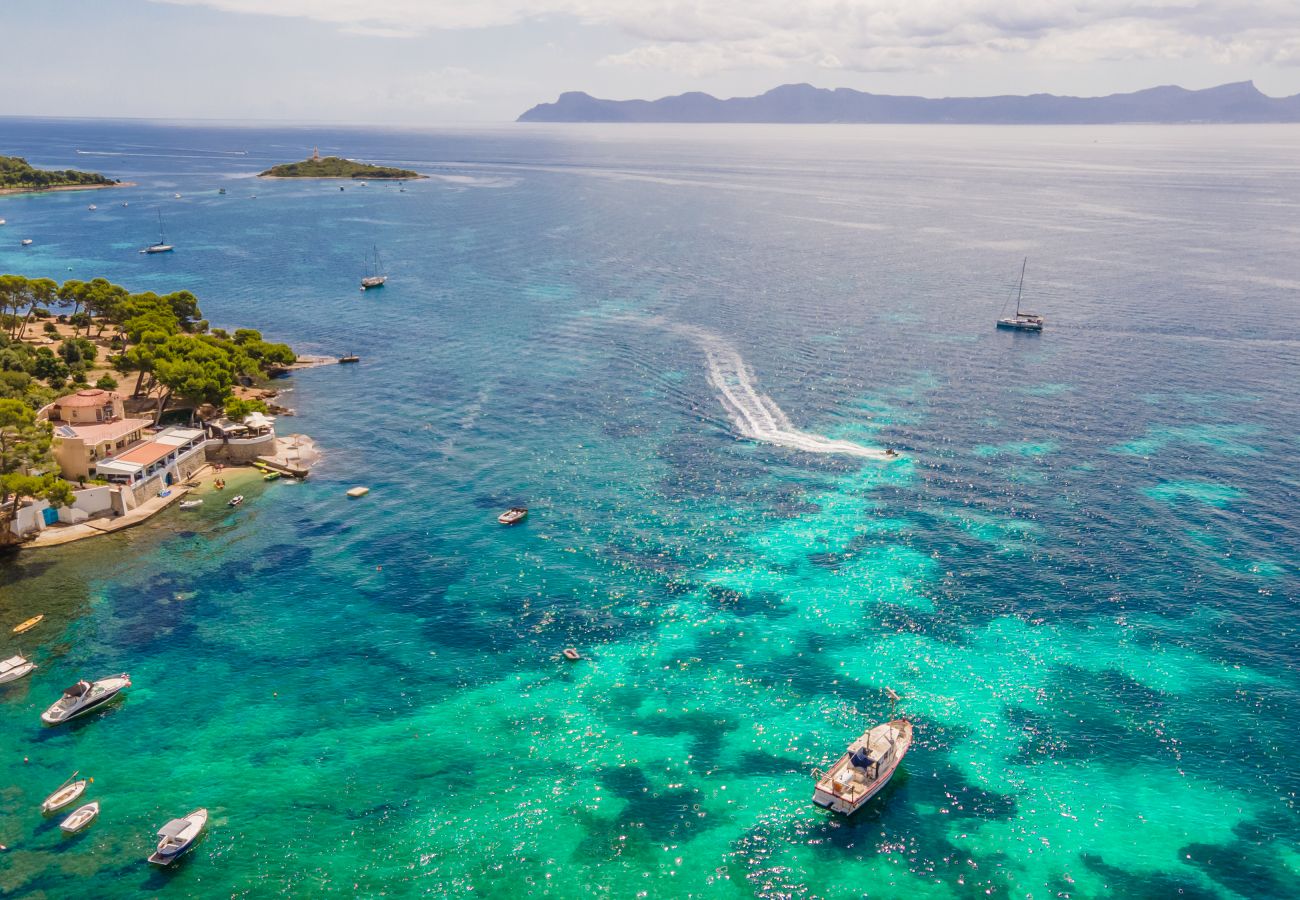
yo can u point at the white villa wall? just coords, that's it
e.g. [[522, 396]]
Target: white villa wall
[[94, 500]]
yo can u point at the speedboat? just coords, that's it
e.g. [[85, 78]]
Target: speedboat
[[92, 207], [350, 358], [221, 191], [13, 668], [66, 795], [191, 504], [864, 769], [236, 500], [84, 697], [177, 836], [80, 818], [513, 515], [26, 242]]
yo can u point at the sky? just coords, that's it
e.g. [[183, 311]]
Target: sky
[[432, 62]]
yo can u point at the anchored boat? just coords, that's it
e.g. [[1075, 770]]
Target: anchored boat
[[864, 769], [13, 668], [80, 818], [84, 697], [66, 794], [513, 515], [376, 277], [29, 624], [1022, 321], [162, 246], [177, 836]]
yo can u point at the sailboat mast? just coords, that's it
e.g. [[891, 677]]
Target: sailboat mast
[[162, 237], [1020, 290]]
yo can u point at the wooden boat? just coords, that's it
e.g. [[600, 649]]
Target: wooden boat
[[13, 668], [29, 624], [1022, 321], [66, 795], [864, 769], [572, 654], [350, 358], [513, 515], [177, 836], [80, 818], [236, 500], [84, 697]]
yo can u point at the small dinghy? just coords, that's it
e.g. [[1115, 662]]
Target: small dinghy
[[177, 836], [26, 242], [80, 818], [572, 654], [191, 504], [67, 794], [84, 697], [236, 500], [29, 624], [865, 769], [13, 668], [92, 207], [513, 515]]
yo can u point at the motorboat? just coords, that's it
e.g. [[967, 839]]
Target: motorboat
[[864, 769], [67, 794], [80, 818], [13, 668], [513, 515], [221, 190], [26, 242], [84, 697], [177, 836], [176, 196], [92, 207], [236, 500], [191, 504], [350, 358], [29, 624]]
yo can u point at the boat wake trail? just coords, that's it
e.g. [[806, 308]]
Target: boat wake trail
[[755, 414]]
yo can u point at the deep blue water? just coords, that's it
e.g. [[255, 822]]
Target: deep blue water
[[1081, 577]]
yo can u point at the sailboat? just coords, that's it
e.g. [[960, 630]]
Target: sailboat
[[376, 278], [1022, 321], [162, 246]]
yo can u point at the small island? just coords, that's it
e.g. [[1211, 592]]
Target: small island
[[317, 166], [17, 175]]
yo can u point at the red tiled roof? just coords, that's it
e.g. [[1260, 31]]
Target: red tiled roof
[[145, 454], [88, 397]]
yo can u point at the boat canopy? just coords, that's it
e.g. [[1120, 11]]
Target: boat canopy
[[79, 689], [12, 662], [173, 828]]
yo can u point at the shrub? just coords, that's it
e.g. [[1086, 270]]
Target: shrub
[[106, 382]]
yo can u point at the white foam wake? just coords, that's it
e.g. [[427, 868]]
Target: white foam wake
[[755, 414]]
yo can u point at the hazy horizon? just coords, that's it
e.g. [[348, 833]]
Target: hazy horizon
[[404, 63]]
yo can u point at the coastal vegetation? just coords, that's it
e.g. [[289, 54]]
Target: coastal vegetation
[[159, 342], [336, 167], [17, 174]]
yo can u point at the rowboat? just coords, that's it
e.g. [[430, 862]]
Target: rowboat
[[177, 836], [66, 795], [80, 818], [29, 624], [864, 769], [13, 668]]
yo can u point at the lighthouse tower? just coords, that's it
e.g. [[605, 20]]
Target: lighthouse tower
[[315, 154]]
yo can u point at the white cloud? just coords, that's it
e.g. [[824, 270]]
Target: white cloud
[[863, 35]]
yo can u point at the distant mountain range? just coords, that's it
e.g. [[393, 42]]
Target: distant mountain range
[[805, 104]]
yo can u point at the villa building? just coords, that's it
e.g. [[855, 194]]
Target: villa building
[[91, 425]]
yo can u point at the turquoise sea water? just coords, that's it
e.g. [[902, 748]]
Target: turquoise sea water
[[1082, 576]]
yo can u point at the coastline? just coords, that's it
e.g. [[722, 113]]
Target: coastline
[[417, 175], [65, 187]]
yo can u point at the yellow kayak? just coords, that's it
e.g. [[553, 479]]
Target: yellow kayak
[[29, 624]]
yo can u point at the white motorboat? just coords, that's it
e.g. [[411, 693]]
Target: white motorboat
[[2, 221], [191, 504], [236, 500], [26, 242], [84, 697], [865, 769], [177, 836], [92, 207], [513, 515], [13, 668], [66, 795], [80, 818]]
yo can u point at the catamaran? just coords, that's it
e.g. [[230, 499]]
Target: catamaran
[[1022, 321], [376, 278], [162, 246]]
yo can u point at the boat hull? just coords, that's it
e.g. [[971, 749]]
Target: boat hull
[[13, 673], [64, 797], [81, 818], [1013, 325]]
